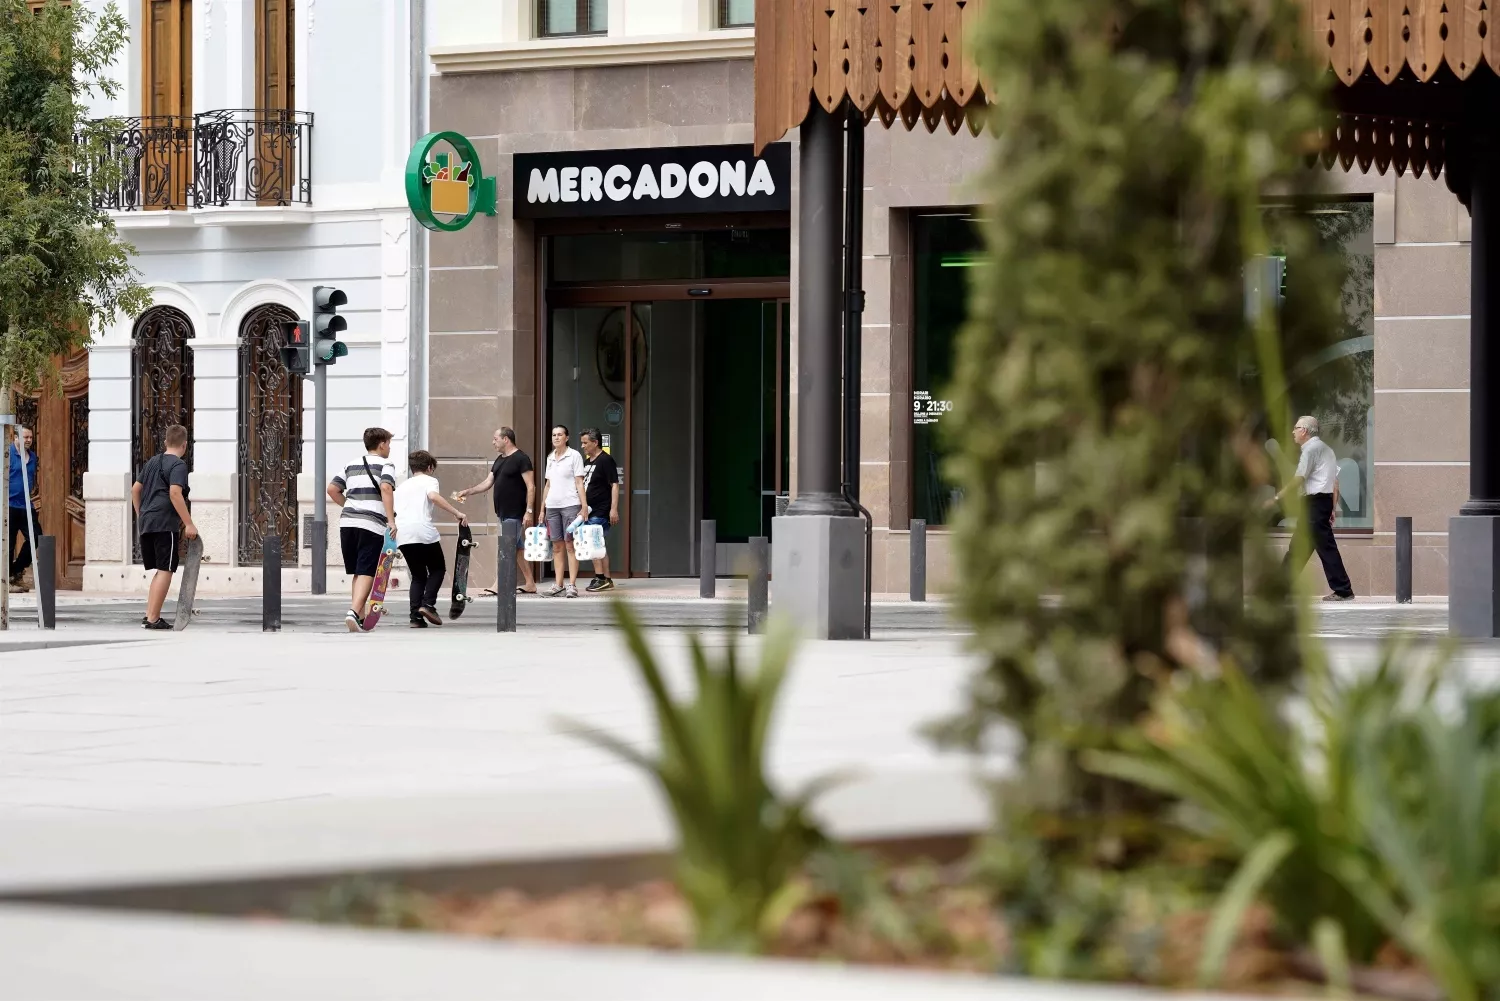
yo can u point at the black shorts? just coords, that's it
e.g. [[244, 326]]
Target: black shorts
[[159, 550], [361, 550]]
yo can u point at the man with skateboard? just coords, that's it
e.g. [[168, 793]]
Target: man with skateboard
[[366, 490], [419, 539], [514, 480], [163, 518]]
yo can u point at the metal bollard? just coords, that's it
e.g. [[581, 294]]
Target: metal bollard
[[505, 601], [44, 568], [318, 540], [760, 583], [270, 588], [918, 559], [1403, 560], [707, 556]]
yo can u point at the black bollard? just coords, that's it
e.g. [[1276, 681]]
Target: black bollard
[[707, 556], [270, 586], [1403, 560], [505, 601], [918, 559], [760, 583], [45, 570]]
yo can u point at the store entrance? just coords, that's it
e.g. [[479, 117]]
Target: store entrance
[[701, 433], [676, 347]]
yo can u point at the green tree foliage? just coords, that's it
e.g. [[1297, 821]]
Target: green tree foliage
[[1114, 392], [63, 270]]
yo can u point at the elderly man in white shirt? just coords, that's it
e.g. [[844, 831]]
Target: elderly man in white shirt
[[1318, 477]]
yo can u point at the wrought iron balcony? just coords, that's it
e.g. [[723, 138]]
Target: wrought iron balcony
[[255, 157], [140, 163], [213, 160]]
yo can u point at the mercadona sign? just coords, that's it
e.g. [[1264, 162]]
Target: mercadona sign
[[658, 180], [445, 183]]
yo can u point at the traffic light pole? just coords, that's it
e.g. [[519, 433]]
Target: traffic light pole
[[320, 484]]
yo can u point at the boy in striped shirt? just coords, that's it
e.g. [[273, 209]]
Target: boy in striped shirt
[[366, 490]]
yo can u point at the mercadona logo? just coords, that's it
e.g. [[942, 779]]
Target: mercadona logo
[[446, 187]]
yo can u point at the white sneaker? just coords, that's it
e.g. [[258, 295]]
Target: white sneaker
[[352, 621]]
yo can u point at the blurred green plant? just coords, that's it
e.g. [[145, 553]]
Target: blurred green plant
[[362, 900], [740, 844], [1433, 819], [1115, 383], [1283, 795]]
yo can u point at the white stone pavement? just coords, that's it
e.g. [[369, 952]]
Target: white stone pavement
[[209, 754], [48, 953]]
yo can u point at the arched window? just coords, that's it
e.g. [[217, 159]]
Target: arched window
[[270, 438], [161, 385]]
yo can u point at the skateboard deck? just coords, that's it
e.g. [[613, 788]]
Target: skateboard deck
[[192, 560], [461, 597], [382, 581]]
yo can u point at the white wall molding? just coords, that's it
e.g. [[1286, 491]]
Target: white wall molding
[[258, 293], [563, 53], [173, 295]]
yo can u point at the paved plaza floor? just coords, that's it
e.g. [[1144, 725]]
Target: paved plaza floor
[[210, 753]]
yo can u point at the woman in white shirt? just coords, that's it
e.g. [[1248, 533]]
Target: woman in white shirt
[[563, 501], [417, 535]]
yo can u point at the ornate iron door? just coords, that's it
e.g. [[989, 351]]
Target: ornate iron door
[[270, 438], [161, 387]]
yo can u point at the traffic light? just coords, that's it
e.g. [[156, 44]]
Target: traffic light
[[296, 352], [328, 324]]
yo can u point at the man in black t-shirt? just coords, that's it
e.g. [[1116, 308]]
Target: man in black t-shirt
[[162, 517], [601, 478], [514, 481]]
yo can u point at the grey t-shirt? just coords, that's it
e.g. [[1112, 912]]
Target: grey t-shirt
[[161, 473]]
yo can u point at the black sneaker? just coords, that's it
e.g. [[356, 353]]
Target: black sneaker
[[600, 584], [430, 614], [159, 624], [353, 621], [417, 622]]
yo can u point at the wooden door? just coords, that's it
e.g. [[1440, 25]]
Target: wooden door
[[167, 104], [58, 416], [275, 100]]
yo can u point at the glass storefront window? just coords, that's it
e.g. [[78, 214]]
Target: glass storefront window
[[659, 256], [1337, 385], [945, 248]]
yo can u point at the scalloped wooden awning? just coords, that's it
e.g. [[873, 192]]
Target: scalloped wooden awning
[[894, 59], [907, 60]]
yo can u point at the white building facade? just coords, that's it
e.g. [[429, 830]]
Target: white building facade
[[261, 148]]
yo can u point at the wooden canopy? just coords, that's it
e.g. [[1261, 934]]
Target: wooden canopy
[[905, 59], [1399, 63]]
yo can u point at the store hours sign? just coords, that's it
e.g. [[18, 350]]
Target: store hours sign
[[668, 180]]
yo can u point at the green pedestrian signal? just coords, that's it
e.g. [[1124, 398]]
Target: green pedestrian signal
[[328, 324]]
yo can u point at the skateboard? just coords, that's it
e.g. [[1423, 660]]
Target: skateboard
[[382, 581], [461, 597], [192, 560]]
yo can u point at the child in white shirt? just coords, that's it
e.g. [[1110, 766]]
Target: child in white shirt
[[417, 535]]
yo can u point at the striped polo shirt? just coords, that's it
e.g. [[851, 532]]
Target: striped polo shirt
[[363, 507]]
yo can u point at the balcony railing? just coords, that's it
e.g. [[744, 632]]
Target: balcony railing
[[213, 160], [141, 163]]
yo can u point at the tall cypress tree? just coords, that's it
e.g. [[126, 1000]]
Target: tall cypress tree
[[1114, 390], [63, 269]]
